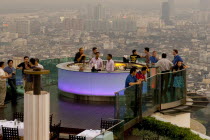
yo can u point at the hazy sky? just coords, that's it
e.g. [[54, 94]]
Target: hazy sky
[[10, 4]]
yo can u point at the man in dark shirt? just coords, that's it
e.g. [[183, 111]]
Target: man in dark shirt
[[30, 78], [131, 78], [12, 81], [80, 56], [134, 56], [24, 65], [147, 56]]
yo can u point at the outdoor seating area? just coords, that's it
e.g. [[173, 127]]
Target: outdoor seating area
[[10, 130]]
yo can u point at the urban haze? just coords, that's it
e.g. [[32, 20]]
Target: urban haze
[[49, 29]]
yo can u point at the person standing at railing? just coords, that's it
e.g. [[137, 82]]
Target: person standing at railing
[[153, 58], [179, 66], [165, 66], [37, 64], [109, 64], [178, 80], [131, 78], [134, 56], [80, 56], [130, 90], [3, 88], [24, 66], [177, 58], [142, 74], [12, 81], [147, 56], [97, 62]]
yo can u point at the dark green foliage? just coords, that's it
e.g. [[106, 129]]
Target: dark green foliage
[[167, 129]]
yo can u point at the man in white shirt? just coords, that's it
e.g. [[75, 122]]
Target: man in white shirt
[[109, 64], [37, 64], [3, 88], [97, 62], [164, 64]]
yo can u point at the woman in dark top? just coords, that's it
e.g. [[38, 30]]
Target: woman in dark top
[[178, 82], [179, 66]]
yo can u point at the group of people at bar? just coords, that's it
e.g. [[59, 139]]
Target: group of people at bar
[[95, 61], [163, 64], [8, 74]]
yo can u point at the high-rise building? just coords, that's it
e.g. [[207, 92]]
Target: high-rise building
[[23, 27], [204, 5], [99, 12], [35, 27], [172, 7], [165, 13], [20, 26]]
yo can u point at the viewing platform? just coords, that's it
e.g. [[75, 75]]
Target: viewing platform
[[128, 106]]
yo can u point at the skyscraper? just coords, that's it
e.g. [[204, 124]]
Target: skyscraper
[[165, 13], [99, 12]]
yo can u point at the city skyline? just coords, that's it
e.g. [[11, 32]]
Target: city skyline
[[10, 4]]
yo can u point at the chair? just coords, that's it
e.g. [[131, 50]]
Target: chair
[[73, 137], [106, 124], [56, 131], [10, 133], [19, 116]]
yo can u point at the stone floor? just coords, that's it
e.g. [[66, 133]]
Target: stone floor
[[73, 114]]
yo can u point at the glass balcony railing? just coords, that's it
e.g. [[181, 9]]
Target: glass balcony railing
[[127, 103], [150, 95], [160, 91], [173, 86]]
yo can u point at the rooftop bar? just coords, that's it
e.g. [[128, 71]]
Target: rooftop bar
[[76, 80]]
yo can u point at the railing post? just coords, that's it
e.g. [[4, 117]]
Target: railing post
[[159, 94], [117, 110], [185, 85], [139, 101]]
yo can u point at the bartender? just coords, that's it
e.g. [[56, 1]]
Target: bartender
[[97, 62], [134, 56], [80, 56], [109, 64]]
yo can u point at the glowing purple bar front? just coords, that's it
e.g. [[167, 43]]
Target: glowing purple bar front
[[90, 84]]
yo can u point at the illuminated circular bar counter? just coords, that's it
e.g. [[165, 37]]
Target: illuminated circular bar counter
[[75, 80]]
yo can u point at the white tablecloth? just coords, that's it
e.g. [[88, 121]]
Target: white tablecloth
[[91, 134], [11, 124]]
